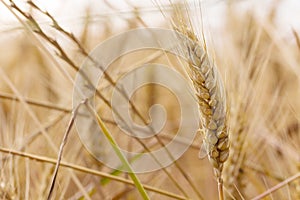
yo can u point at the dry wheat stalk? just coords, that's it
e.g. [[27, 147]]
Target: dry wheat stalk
[[212, 102]]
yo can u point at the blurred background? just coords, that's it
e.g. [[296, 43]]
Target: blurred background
[[255, 45]]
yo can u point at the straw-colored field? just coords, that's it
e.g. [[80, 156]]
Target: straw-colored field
[[42, 156]]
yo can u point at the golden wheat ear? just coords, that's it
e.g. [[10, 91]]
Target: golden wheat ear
[[210, 93]]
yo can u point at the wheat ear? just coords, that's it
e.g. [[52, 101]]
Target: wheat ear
[[211, 98]]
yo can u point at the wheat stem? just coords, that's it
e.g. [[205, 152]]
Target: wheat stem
[[60, 152], [220, 189], [87, 170], [117, 150], [278, 186]]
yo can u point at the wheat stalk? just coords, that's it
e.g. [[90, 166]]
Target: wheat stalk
[[211, 100]]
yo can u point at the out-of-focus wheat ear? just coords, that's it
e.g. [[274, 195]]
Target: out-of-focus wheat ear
[[211, 98], [233, 170], [6, 189]]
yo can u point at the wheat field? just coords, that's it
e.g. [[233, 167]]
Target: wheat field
[[257, 60]]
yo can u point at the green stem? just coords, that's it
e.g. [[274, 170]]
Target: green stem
[[125, 162]]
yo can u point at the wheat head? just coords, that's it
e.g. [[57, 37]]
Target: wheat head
[[211, 99]]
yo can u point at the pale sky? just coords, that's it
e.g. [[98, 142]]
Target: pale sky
[[72, 12]]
